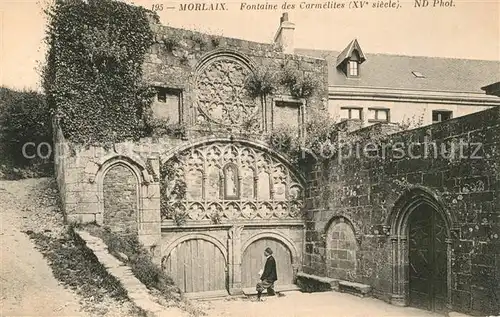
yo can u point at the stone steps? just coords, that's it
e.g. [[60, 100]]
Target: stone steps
[[136, 291], [358, 289], [332, 282], [277, 289]]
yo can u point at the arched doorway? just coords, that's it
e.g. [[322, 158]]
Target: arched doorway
[[120, 199], [253, 261], [420, 229], [197, 266], [427, 256]]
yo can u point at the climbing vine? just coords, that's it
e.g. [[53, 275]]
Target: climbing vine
[[172, 191], [159, 127], [320, 139], [93, 73], [302, 85], [261, 82]]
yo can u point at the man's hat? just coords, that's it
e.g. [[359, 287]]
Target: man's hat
[[268, 251]]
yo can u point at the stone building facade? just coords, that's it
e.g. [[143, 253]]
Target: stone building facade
[[415, 214], [208, 196], [206, 200]]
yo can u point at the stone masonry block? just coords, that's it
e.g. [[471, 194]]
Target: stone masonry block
[[81, 218], [151, 203], [88, 207], [72, 197], [91, 169], [151, 215], [89, 197], [149, 228]]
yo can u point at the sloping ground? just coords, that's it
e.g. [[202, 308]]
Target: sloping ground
[[27, 284]]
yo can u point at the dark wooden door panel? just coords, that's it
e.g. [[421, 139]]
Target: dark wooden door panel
[[427, 260], [197, 266]]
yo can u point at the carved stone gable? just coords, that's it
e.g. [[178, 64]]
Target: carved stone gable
[[235, 181], [221, 96]]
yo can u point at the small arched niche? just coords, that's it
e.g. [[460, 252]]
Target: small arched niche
[[120, 199], [341, 248]]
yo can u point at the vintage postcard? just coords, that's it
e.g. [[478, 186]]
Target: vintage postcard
[[250, 158]]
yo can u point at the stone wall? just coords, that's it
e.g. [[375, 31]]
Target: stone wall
[[117, 186], [181, 64], [340, 250], [205, 70], [371, 193], [120, 194]]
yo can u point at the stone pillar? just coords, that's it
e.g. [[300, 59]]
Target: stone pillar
[[296, 267], [396, 296], [449, 252], [150, 215], [404, 279], [204, 186], [234, 243]]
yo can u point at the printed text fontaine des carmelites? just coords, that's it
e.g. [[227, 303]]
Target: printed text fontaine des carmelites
[[222, 6]]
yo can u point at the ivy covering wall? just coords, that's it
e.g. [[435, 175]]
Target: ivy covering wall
[[93, 72]]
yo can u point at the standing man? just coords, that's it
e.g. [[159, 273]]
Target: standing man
[[268, 276]]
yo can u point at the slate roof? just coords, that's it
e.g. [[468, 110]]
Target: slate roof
[[395, 71], [346, 53]]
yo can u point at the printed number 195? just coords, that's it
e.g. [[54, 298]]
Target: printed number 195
[[157, 7]]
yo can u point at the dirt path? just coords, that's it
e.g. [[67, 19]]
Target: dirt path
[[324, 304], [27, 286]]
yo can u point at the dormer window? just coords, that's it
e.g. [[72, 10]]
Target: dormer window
[[350, 60], [353, 69]]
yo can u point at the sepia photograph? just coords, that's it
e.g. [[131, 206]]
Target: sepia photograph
[[260, 158]]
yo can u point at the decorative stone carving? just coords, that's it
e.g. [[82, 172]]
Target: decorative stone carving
[[235, 182], [231, 188], [221, 96], [235, 232]]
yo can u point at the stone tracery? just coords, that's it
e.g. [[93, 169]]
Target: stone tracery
[[221, 96], [236, 182]]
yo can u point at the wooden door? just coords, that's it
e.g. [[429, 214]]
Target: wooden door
[[196, 266], [427, 260], [253, 261]]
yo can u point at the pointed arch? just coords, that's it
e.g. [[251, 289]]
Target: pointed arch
[[254, 144], [137, 174], [411, 199], [397, 224]]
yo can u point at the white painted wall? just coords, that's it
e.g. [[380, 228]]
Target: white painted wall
[[401, 111]]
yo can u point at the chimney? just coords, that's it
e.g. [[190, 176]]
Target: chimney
[[284, 36]]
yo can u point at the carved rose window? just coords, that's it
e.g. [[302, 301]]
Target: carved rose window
[[221, 96]]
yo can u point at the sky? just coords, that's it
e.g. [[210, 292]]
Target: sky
[[468, 29]]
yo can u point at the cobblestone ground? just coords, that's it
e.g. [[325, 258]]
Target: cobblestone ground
[[325, 304]]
